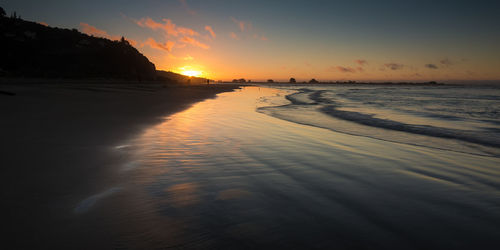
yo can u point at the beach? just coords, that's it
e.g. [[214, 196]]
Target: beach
[[249, 169], [57, 141]]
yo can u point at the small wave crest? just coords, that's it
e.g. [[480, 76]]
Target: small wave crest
[[86, 204], [301, 98]]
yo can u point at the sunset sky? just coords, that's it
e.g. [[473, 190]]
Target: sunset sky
[[326, 40]]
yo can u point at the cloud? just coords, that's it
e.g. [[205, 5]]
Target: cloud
[[360, 69], [186, 7], [132, 42], [185, 36], [93, 31], [361, 62], [167, 26], [259, 37], [431, 66], [345, 69], [246, 31], [186, 58], [394, 66], [46, 25], [241, 24], [194, 42], [187, 31], [234, 36], [446, 62], [147, 22], [211, 31], [180, 45], [167, 46]]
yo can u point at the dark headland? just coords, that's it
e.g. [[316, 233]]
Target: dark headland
[[35, 51]]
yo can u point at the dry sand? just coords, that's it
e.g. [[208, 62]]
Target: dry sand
[[56, 147]]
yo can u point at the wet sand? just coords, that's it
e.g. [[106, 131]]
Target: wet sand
[[57, 148]]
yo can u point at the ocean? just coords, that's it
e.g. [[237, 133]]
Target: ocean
[[314, 167], [427, 116]]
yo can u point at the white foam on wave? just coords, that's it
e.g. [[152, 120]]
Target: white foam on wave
[[122, 146], [301, 98], [85, 205], [129, 166]]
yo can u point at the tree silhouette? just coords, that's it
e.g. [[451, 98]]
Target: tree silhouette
[[270, 80], [2, 12], [313, 81], [124, 41], [292, 80]]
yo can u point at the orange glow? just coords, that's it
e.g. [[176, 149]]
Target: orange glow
[[190, 71]]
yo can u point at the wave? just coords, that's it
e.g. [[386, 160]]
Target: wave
[[369, 120], [319, 101]]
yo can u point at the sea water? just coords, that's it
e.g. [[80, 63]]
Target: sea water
[[317, 167], [427, 116]]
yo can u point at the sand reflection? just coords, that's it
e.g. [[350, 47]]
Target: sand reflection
[[230, 194], [181, 195]]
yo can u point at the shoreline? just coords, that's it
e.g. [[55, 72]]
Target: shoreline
[[58, 144]]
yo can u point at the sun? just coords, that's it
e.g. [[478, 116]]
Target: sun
[[190, 71]]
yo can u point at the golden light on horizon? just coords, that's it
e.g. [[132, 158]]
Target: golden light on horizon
[[190, 71]]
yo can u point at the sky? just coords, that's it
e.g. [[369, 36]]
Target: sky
[[263, 39]]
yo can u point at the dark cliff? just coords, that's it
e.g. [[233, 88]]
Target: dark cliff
[[29, 49]]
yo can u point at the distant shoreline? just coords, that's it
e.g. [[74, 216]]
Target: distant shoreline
[[347, 83], [454, 83]]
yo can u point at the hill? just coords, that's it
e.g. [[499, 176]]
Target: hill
[[30, 49]]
